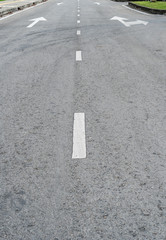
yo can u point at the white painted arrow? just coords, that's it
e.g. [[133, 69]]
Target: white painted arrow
[[97, 3], [36, 20], [60, 3], [128, 24]]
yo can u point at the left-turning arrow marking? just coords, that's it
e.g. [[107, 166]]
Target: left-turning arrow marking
[[36, 20]]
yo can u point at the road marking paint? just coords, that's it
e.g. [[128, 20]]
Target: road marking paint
[[79, 141], [60, 3], [97, 3], [128, 24], [78, 56], [136, 10], [36, 20], [3, 18], [78, 11], [78, 15], [78, 21], [78, 32]]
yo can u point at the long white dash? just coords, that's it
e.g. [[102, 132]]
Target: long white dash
[[78, 21], [79, 141], [78, 32], [78, 56], [78, 15]]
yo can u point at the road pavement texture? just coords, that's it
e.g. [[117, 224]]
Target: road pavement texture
[[83, 123]]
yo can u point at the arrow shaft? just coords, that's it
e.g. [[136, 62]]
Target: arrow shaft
[[32, 24], [137, 22], [128, 24]]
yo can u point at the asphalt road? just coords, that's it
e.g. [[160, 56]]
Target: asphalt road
[[117, 191]]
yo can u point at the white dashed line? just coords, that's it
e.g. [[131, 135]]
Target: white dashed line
[[78, 21], [78, 56], [78, 32], [78, 15], [78, 11], [79, 141]]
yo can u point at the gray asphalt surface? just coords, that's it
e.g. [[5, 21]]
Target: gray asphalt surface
[[118, 192]]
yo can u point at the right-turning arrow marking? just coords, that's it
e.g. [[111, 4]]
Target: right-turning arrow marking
[[128, 24]]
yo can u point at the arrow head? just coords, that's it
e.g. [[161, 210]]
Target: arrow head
[[38, 19], [118, 18]]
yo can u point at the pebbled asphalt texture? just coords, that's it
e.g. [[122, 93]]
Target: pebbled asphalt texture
[[119, 191]]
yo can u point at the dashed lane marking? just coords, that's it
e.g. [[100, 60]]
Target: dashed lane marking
[[58, 4], [79, 140], [78, 56]]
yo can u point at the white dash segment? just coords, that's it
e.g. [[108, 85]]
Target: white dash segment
[[78, 56], [78, 15], [78, 11], [78, 32], [79, 141], [78, 21], [26, 9]]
